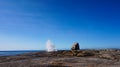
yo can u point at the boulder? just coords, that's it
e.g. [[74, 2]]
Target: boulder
[[75, 49], [75, 46]]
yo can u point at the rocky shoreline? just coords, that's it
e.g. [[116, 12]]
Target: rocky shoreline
[[64, 58]]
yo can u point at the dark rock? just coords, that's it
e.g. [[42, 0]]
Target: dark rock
[[75, 49], [75, 46], [85, 54]]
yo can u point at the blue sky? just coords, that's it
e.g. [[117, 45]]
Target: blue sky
[[28, 24]]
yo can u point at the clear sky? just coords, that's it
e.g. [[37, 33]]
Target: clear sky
[[28, 24]]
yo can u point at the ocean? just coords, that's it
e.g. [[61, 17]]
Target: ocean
[[11, 53]]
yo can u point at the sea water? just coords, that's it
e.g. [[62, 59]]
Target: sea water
[[10, 53]]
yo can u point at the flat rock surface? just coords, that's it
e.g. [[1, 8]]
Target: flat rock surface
[[64, 58]]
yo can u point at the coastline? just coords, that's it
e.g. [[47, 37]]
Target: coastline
[[94, 58]]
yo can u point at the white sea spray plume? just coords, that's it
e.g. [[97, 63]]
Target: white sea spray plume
[[50, 47]]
